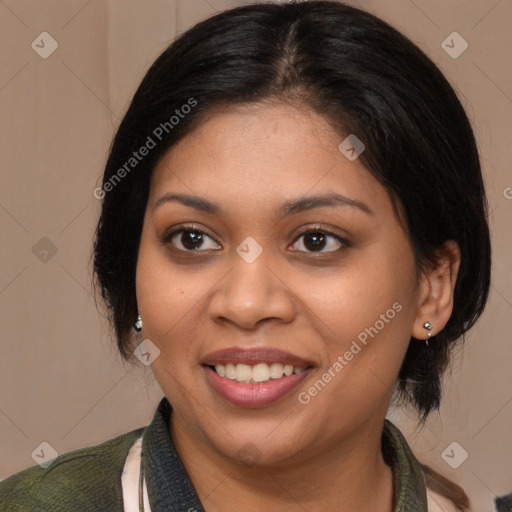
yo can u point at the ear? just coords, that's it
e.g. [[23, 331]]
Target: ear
[[436, 289]]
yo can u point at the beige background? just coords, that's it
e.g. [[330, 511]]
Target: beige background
[[61, 380]]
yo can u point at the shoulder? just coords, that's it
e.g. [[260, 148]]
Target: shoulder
[[85, 479]]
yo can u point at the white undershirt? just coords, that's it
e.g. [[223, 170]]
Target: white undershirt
[[131, 474], [130, 480]]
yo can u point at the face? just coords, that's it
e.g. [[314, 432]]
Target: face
[[266, 251]]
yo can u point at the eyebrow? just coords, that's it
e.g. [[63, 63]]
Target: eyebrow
[[288, 208]]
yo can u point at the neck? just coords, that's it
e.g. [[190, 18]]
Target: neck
[[347, 475]]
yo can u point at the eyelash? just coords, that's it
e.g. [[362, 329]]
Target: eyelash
[[167, 238]]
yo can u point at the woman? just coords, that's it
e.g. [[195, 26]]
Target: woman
[[294, 223]]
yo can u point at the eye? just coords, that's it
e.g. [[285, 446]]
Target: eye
[[316, 240], [191, 239]]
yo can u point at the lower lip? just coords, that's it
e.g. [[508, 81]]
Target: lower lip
[[254, 395]]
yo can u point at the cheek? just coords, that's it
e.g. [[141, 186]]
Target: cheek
[[365, 319], [170, 298], [163, 295], [366, 312], [354, 297], [167, 299]]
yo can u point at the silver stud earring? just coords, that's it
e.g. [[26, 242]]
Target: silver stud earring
[[428, 326], [138, 324]]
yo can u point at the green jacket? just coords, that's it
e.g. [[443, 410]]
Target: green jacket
[[89, 479]]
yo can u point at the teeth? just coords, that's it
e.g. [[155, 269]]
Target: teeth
[[261, 372], [276, 370], [230, 371], [243, 372]]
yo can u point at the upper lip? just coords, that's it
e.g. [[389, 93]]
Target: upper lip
[[253, 356]]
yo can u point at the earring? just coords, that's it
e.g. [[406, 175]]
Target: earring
[[138, 324], [428, 326]]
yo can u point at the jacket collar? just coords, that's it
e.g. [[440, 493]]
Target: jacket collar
[[409, 488], [170, 488]]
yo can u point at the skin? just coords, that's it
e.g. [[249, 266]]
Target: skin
[[326, 454]]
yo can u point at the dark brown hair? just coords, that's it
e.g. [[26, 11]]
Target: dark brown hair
[[446, 488]]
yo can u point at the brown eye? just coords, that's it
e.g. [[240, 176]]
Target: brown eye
[[317, 241], [314, 241], [192, 240]]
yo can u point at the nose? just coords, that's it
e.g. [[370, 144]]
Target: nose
[[252, 294]]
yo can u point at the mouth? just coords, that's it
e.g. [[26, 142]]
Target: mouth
[[255, 377], [258, 373]]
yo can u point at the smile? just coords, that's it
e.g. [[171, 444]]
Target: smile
[[253, 393], [252, 374]]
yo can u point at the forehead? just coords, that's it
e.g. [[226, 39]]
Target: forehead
[[266, 153]]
